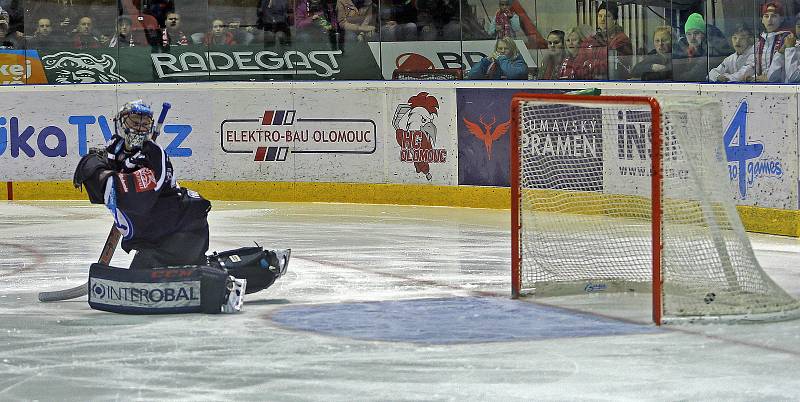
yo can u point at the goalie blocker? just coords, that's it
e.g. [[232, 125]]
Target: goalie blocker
[[218, 287]]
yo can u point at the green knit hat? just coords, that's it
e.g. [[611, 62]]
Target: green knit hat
[[695, 23]]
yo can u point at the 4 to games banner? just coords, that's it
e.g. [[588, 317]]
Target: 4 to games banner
[[759, 145]]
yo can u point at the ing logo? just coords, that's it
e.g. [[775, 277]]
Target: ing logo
[[745, 164]]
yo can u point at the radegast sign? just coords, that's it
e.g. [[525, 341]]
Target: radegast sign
[[319, 63], [201, 63]]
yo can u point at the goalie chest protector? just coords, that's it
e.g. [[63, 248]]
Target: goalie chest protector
[[184, 289]]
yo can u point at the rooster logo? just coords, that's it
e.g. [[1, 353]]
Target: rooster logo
[[416, 131], [486, 134]]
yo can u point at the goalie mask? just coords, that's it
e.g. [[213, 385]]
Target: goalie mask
[[134, 123]]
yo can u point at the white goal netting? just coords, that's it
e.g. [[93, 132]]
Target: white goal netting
[[585, 209]]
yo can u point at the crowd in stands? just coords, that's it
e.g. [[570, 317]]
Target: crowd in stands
[[158, 23], [694, 52], [688, 48]]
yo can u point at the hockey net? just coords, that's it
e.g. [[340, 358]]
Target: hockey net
[[441, 74], [628, 195]]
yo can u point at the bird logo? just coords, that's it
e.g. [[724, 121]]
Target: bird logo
[[487, 134], [415, 129]]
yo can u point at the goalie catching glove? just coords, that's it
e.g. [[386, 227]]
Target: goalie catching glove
[[258, 266]]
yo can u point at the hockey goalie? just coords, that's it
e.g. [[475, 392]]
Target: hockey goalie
[[167, 226]]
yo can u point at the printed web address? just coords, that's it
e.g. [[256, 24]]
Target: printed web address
[[642, 171]]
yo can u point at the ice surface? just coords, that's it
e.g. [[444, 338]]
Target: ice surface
[[422, 262]]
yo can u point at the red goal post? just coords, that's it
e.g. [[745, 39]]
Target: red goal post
[[592, 210]]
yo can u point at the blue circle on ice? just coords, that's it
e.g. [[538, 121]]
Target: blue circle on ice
[[451, 320]]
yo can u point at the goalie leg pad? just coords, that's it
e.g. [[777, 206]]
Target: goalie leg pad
[[169, 290], [258, 266]]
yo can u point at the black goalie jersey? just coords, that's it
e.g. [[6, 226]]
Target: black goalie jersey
[[146, 202]]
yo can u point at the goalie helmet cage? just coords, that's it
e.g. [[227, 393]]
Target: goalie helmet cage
[[624, 194]]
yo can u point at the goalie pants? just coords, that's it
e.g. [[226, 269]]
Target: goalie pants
[[181, 248]]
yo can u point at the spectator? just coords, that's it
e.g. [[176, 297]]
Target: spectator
[[739, 66], [574, 39], [159, 9], [553, 57], [7, 39], [273, 18], [315, 22], [506, 23], [470, 27], [792, 54], [657, 64], [65, 18], [356, 18], [142, 25], [439, 19], [593, 57], [398, 21], [242, 36], [505, 63], [533, 38], [218, 35], [172, 34], [84, 37], [124, 37], [43, 37], [769, 62], [692, 54], [16, 15]]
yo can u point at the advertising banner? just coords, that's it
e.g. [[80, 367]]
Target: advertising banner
[[268, 134], [484, 126], [565, 150], [425, 55], [422, 146], [198, 63], [759, 140], [45, 143], [19, 67], [484, 129], [299, 135]]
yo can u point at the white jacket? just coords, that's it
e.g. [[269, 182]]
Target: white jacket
[[736, 67], [792, 62], [772, 63]]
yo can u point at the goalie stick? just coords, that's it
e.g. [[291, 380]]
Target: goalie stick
[[111, 242]]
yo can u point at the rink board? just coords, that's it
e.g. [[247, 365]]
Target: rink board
[[373, 142]]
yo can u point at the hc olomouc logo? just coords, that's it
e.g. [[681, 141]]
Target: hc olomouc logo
[[415, 132]]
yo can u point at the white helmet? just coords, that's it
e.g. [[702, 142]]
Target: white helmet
[[134, 123]]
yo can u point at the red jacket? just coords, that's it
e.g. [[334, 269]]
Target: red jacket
[[591, 62], [535, 39]]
